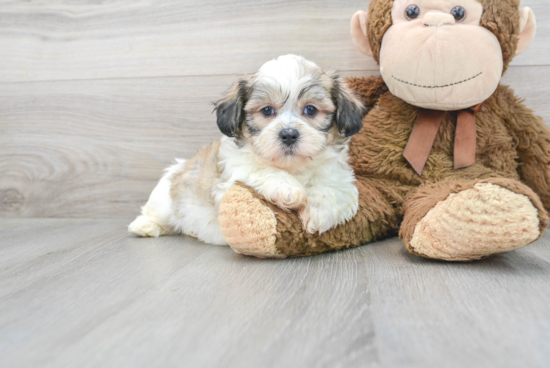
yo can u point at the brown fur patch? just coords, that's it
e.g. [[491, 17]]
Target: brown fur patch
[[419, 203], [368, 89], [531, 139], [378, 149], [200, 174]]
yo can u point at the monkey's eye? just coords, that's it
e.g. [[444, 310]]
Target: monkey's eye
[[268, 111], [310, 111], [459, 13], [412, 12]]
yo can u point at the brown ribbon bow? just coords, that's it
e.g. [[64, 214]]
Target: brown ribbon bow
[[425, 130]]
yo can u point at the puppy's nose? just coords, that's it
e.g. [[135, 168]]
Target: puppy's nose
[[289, 136]]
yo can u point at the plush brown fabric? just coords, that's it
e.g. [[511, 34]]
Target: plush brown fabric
[[378, 149], [474, 223], [512, 145], [368, 89], [428, 195], [375, 220], [378, 22], [251, 226], [531, 138], [501, 17]]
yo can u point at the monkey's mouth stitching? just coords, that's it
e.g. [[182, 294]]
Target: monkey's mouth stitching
[[443, 86]]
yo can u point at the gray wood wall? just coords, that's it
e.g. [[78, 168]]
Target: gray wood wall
[[97, 97]]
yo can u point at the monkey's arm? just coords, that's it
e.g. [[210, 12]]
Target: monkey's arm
[[253, 226], [368, 89], [533, 145]]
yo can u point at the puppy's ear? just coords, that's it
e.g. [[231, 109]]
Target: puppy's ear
[[229, 110], [349, 109]]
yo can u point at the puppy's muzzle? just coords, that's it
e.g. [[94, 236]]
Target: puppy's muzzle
[[289, 136]]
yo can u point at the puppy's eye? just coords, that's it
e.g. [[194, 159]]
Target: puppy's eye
[[459, 13], [268, 111], [310, 111], [412, 12]]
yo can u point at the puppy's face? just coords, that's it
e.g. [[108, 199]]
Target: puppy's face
[[290, 111]]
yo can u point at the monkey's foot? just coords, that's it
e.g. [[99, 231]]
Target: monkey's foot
[[475, 223], [247, 225]]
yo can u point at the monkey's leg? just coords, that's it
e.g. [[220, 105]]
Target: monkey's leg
[[255, 227], [471, 219]]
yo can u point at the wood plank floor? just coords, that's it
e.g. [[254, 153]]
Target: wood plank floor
[[84, 293]]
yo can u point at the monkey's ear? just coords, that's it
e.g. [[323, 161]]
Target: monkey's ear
[[229, 110], [349, 109], [359, 32], [527, 30]]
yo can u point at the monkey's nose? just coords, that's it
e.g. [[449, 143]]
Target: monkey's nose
[[289, 136], [434, 19]]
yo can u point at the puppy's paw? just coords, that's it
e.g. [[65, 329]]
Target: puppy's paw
[[322, 214], [143, 226], [318, 219], [287, 196]]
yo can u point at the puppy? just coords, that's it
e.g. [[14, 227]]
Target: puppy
[[287, 131]]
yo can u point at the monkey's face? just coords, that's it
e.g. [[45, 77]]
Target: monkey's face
[[437, 56]]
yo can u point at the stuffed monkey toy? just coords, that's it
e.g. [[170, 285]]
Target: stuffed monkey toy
[[448, 158]]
